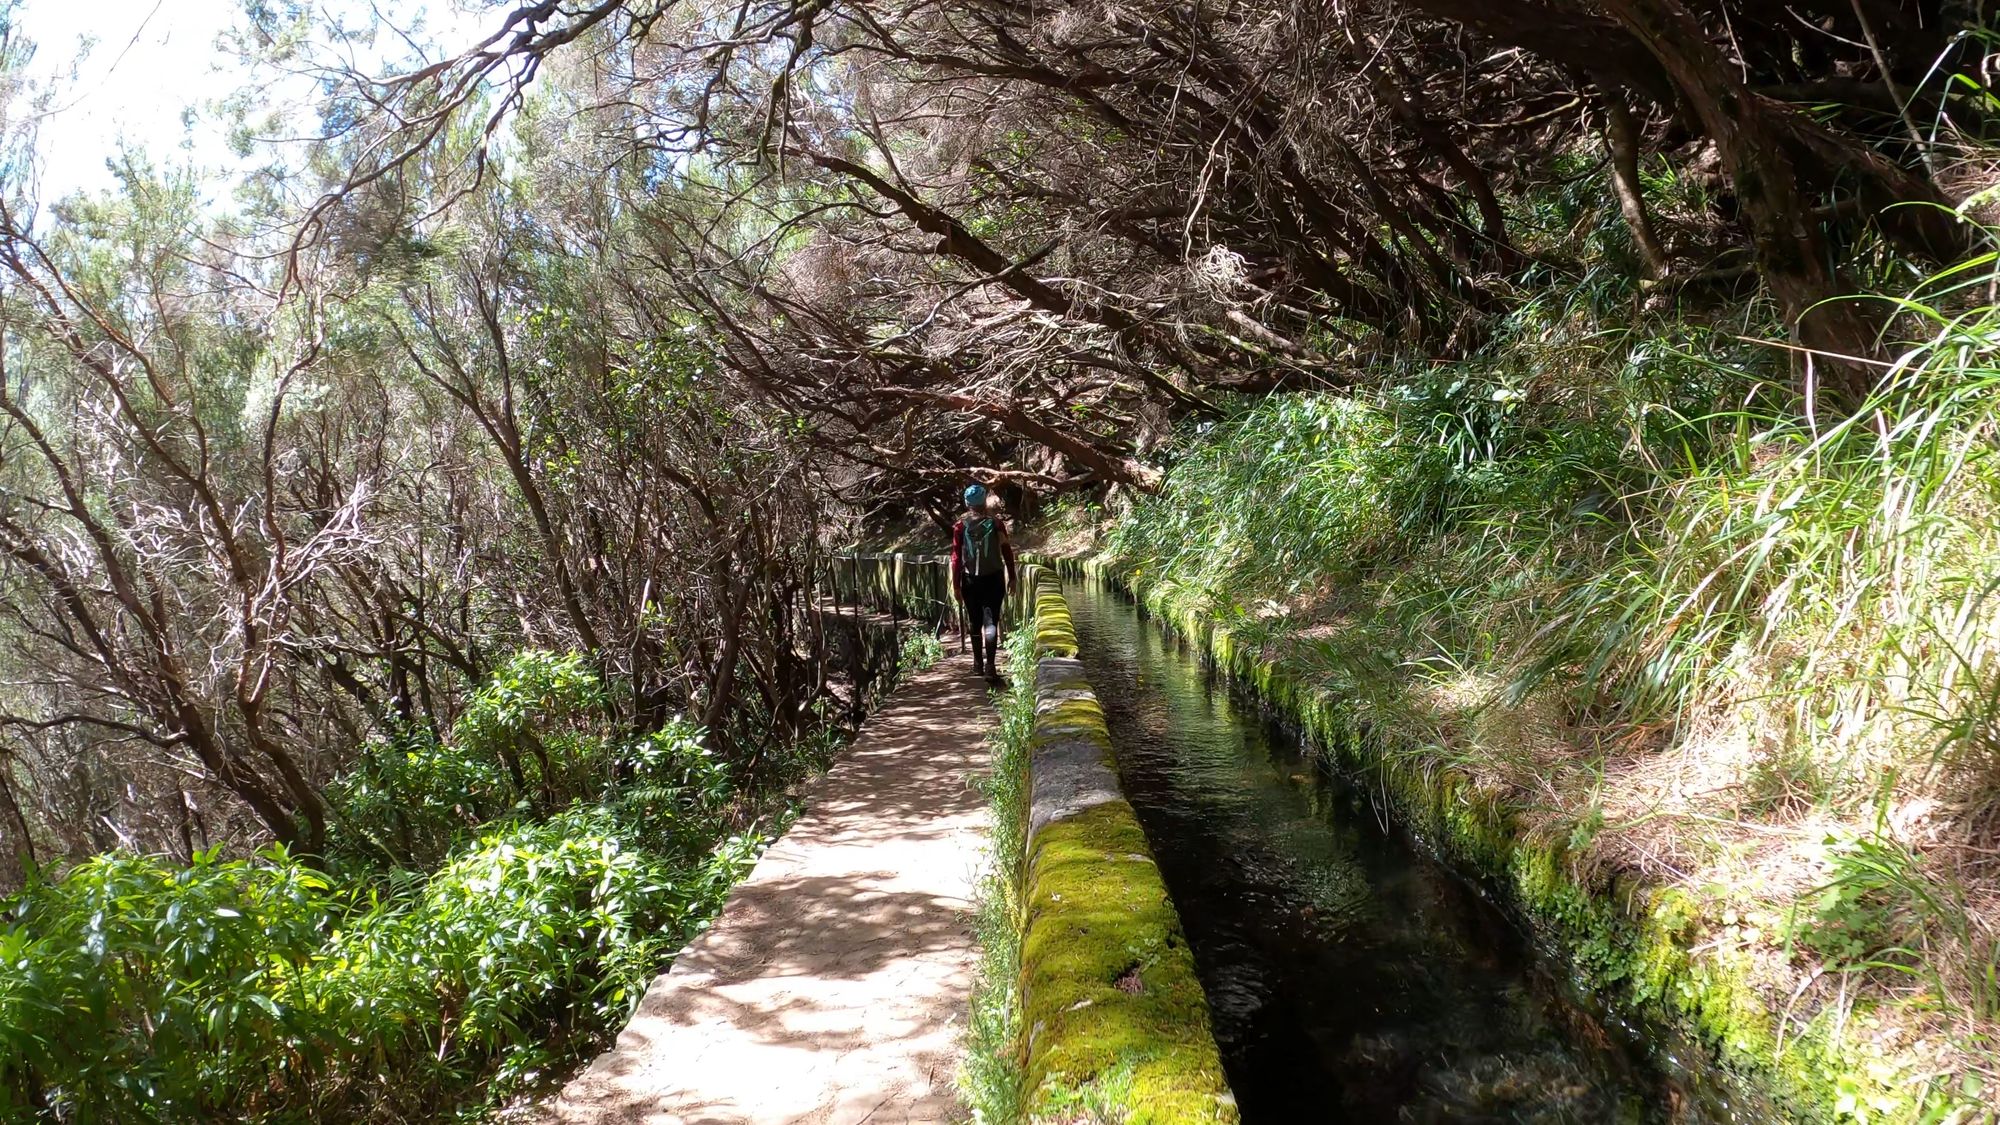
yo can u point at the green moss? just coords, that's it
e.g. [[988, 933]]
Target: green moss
[[1114, 1018], [1072, 718], [1055, 635], [1110, 984]]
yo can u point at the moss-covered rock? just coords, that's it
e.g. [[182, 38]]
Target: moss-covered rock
[[1054, 635], [1109, 983]]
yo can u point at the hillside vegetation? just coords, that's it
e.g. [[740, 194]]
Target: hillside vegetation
[[1740, 655], [417, 537]]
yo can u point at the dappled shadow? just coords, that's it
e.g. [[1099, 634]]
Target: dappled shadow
[[824, 927], [833, 986]]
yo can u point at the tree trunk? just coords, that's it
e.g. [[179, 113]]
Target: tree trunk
[[722, 675], [1404, 97], [1565, 35], [25, 858], [1795, 260], [1621, 141]]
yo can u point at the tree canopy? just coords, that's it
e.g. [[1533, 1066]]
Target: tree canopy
[[589, 335]]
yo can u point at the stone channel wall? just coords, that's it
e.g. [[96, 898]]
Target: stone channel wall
[[1112, 1012], [1112, 1008]]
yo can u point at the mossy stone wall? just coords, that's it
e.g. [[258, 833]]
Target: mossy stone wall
[[1115, 1017]]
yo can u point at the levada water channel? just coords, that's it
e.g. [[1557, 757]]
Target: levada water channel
[[1351, 977]]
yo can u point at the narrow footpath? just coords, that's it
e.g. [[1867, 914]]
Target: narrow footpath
[[833, 988]]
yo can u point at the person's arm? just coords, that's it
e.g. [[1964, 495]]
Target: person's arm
[[957, 582], [1007, 553]]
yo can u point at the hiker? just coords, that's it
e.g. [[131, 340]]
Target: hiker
[[982, 567]]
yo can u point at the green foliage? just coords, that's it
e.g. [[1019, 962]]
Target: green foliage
[[532, 739], [1569, 535], [1878, 909], [922, 649], [141, 990], [541, 716], [1644, 555], [1866, 912], [406, 801], [135, 989], [991, 1074], [536, 934]]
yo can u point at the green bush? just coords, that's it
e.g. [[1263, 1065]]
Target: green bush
[[674, 792], [407, 801], [536, 935], [542, 717], [140, 990], [921, 651], [137, 989], [532, 739]]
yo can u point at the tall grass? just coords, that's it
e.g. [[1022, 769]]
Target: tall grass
[[1844, 571], [991, 1076], [1649, 556], [1637, 538]]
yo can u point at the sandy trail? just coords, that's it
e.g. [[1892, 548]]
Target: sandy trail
[[833, 988]]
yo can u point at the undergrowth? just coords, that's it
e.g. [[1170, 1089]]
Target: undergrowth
[[991, 1076], [559, 863], [1668, 612], [921, 651]]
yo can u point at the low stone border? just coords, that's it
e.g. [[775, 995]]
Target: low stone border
[[1113, 1011]]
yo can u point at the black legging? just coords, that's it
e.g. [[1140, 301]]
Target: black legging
[[985, 597]]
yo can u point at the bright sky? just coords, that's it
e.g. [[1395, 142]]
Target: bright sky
[[151, 63]]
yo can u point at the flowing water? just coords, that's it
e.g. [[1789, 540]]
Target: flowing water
[[1352, 979]]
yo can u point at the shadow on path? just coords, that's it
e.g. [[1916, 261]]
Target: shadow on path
[[833, 987]]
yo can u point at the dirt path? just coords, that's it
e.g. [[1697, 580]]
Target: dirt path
[[833, 988]]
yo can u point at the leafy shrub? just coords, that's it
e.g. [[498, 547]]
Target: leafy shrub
[[541, 716], [1869, 908], [537, 934], [921, 651], [532, 739], [1878, 910], [139, 990], [136, 989], [675, 790], [407, 801]]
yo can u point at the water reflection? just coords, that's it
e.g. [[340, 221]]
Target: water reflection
[[1351, 978]]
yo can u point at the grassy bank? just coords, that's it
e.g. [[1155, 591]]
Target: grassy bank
[[1737, 664], [992, 1075]]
